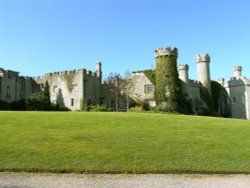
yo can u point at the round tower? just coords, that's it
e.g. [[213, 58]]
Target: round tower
[[183, 72], [99, 70], [168, 89], [237, 72], [203, 70]]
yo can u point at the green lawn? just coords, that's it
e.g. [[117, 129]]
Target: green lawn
[[122, 143]]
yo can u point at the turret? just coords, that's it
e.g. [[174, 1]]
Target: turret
[[203, 70], [99, 70], [237, 72], [183, 72], [168, 89]]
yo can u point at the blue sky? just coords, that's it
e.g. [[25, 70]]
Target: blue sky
[[41, 36]]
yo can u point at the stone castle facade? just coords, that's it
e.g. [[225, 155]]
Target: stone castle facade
[[72, 87]]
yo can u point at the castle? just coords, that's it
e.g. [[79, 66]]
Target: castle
[[230, 98]]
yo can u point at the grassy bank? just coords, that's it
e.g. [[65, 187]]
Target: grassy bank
[[122, 143]]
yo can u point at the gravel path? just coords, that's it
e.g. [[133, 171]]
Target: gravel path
[[29, 180]]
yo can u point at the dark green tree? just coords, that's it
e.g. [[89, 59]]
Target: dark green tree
[[47, 96], [40, 100]]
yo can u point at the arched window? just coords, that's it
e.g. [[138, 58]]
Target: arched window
[[8, 92]]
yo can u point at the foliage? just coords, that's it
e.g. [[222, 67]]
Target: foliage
[[208, 99], [150, 74], [114, 83], [46, 91], [85, 105], [122, 143], [216, 89], [59, 107], [69, 79], [186, 106], [38, 101], [99, 108], [4, 105], [136, 109], [167, 76], [18, 106]]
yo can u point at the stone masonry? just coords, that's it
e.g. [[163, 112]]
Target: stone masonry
[[73, 87]]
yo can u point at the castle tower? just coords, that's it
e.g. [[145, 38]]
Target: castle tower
[[183, 72], [237, 72], [168, 89], [99, 70], [203, 70]]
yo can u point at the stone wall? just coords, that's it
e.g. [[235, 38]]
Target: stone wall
[[139, 91], [71, 87], [236, 90], [14, 87]]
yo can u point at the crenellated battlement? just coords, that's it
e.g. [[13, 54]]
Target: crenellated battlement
[[166, 52], [73, 72], [193, 83], [202, 58], [183, 67], [237, 68]]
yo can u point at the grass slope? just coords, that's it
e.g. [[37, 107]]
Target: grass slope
[[122, 143]]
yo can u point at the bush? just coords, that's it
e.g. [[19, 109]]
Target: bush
[[39, 101], [4, 105], [85, 106], [59, 107], [18, 106], [99, 108], [136, 109]]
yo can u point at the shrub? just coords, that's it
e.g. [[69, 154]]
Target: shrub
[[136, 109], [4, 105], [99, 108]]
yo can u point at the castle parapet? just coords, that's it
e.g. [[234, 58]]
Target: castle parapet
[[221, 81], [167, 52], [193, 83], [237, 72], [183, 67], [202, 58]]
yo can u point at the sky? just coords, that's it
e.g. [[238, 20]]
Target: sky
[[42, 36]]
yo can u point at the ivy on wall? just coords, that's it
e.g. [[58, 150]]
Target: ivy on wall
[[150, 74], [69, 78], [208, 99], [168, 88], [216, 89]]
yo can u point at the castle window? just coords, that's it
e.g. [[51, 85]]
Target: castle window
[[234, 100], [112, 104], [166, 90], [54, 88], [149, 88], [125, 104], [72, 102], [8, 92]]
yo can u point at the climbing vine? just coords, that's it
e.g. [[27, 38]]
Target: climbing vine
[[150, 74], [69, 78], [168, 88], [208, 99]]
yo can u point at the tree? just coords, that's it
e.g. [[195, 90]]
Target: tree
[[127, 87], [114, 83], [40, 100], [47, 95]]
